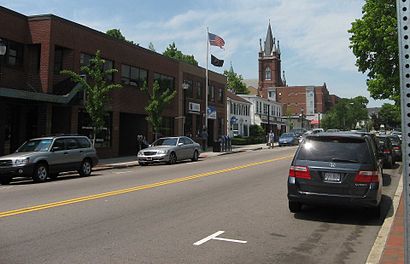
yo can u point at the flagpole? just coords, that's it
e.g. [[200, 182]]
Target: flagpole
[[206, 79]]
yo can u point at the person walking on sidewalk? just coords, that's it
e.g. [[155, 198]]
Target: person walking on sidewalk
[[271, 139]]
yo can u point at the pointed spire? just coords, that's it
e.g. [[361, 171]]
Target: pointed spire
[[274, 46], [284, 79], [269, 41], [231, 68], [278, 47], [260, 45]]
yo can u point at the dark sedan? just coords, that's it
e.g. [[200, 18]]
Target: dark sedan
[[288, 139]]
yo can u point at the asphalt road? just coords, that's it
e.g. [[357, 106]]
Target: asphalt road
[[226, 209]]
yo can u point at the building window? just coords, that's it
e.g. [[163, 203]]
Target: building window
[[58, 60], [103, 138], [231, 110], [133, 76], [108, 64], [211, 94], [14, 55], [198, 90], [189, 90], [268, 74], [165, 82], [221, 95], [167, 126]]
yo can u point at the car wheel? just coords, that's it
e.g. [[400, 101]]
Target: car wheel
[[295, 207], [196, 156], [5, 180], [40, 173], [172, 158], [375, 212], [86, 168]]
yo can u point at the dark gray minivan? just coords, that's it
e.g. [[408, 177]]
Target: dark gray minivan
[[338, 169]]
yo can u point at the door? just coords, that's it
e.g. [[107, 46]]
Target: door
[[74, 155], [57, 160]]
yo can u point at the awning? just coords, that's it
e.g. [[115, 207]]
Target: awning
[[43, 97], [314, 122]]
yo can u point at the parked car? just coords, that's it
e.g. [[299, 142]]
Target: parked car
[[170, 150], [46, 157], [288, 139], [396, 142], [386, 151], [336, 169], [397, 133]]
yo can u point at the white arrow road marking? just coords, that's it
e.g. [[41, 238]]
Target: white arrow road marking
[[214, 236]]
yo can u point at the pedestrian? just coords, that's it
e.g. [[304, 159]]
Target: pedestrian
[[204, 137], [271, 139]]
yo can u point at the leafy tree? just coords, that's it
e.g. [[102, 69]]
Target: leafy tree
[[156, 104], [390, 115], [96, 89], [234, 82], [172, 52], [151, 47], [346, 114], [256, 131], [116, 33], [374, 43]]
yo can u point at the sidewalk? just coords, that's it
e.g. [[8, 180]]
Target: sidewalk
[[131, 161]]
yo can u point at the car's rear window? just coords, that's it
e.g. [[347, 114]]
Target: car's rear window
[[336, 149]]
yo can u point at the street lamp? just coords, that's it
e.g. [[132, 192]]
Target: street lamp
[[3, 49]]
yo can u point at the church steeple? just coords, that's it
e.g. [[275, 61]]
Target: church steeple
[[269, 42]]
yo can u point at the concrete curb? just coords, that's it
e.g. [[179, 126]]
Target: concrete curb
[[380, 242]]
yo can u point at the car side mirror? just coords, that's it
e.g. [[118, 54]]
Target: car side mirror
[[53, 149], [180, 144]]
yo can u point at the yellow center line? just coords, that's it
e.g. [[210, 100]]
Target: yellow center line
[[131, 189]]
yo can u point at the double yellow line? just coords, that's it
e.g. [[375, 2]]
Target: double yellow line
[[132, 189]]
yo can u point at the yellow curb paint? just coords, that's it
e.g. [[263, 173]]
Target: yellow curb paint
[[132, 189]]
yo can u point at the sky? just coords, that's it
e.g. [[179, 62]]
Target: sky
[[313, 35]]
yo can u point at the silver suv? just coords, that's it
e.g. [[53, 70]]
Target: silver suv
[[45, 157]]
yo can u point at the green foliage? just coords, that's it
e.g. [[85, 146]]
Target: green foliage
[[172, 52], [116, 33], [374, 43], [248, 140], [151, 47], [156, 104], [234, 82], [390, 116], [256, 131], [346, 114], [96, 88]]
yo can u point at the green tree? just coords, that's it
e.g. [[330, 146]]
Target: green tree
[[374, 43], [151, 47], [116, 33], [390, 116], [172, 52], [346, 114], [96, 89], [156, 104], [234, 82]]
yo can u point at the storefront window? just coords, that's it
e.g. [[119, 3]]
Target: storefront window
[[104, 136]]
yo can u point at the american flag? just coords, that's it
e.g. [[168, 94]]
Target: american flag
[[216, 40]]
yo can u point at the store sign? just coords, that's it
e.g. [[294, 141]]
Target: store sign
[[211, 112], [194, 107]]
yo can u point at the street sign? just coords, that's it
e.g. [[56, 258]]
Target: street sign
[[403, 19]]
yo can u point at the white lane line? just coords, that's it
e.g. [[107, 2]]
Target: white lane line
[[230, 240], [206, 239], [215, 237], [122, 172]]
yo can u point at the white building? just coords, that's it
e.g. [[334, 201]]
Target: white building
[[266, 113], [238, 115]]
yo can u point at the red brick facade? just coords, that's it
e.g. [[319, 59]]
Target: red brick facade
[[40, 38]]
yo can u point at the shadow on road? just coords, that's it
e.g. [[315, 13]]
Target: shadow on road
[[346, 215]]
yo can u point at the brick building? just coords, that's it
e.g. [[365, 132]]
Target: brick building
[[306, 101], [36, 100]]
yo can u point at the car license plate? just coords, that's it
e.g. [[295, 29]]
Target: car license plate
[[149, 158], [332, 177]]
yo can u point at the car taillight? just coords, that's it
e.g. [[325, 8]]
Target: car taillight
[[366, 177], [300, 172], [396, 148], [386, 151]]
